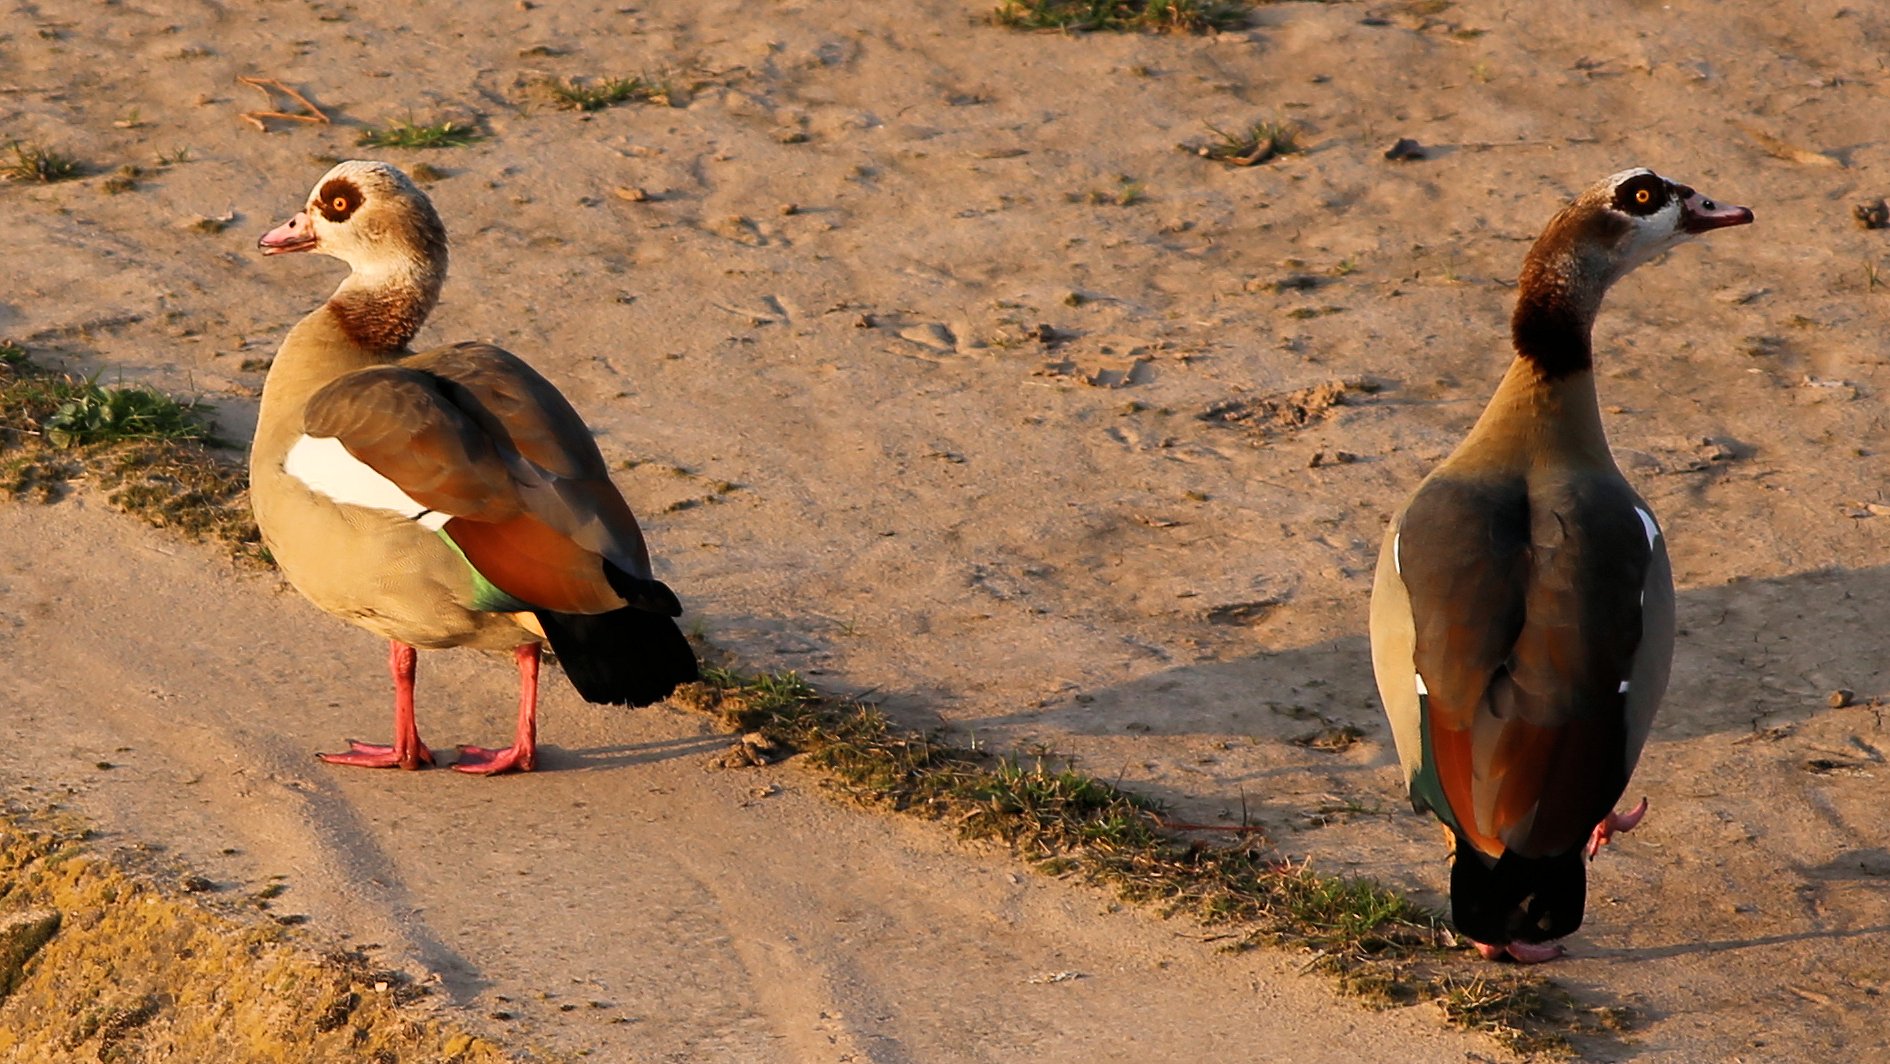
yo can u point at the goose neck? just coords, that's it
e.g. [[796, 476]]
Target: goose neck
[[1559, 294], [1537, 418], [381, 306]]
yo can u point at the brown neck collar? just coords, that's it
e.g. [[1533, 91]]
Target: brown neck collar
[[1559, 291], [381, 319], [386, 298], [1552, 334]]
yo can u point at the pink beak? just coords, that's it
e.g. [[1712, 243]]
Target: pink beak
[[1699, 214], [296, 234]]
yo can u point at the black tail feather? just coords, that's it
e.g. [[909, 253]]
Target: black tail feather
[[627, 657], [645, 593], [1519, 899]]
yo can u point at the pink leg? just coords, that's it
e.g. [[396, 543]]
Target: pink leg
[[1622, 822], [1521, 952], [407, 751], [522, 755]]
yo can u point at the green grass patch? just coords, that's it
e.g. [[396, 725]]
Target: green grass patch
[[96, 414], [1250, 145], [67, 411], [407, 133], [154, 456], [1135, 16], [1376, 943], [35, 162], [578, 94]]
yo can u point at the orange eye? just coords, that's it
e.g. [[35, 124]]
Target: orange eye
[[1642, 197], [341, 202]]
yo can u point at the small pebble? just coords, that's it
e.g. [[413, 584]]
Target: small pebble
[[1840, 698]]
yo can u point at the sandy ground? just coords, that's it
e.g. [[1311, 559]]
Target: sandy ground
[[1107, 543]]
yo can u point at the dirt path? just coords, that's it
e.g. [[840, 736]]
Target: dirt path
[[629, 900], [947, 377]]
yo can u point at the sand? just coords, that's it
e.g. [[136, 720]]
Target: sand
[[818, 344]]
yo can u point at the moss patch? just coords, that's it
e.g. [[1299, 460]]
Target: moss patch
[[153, 456], [134, 973], [1145, 16]]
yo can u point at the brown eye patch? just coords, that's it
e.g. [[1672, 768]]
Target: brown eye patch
[[338, 199], [1641, 195]]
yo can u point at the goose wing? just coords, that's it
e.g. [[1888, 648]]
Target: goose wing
[[1521, 641], [471, 442]]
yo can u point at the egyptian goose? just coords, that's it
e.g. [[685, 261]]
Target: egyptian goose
[[449, 498], [1523, 613]]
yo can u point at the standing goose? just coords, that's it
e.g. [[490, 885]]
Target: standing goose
[[1523, 612], [447, 498]]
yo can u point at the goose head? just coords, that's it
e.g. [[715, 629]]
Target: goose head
[[370, 216], [1617, 224]]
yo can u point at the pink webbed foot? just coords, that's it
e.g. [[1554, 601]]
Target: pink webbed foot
[[381, 755], [1621, 822], [1520, 952], [480, 761], [522, 755], [407, 751]]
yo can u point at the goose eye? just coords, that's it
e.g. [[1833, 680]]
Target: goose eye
[[338, 199], [1642, 195], [341, 202]]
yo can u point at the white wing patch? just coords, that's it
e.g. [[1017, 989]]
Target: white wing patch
[[1421, 689], [1623, 689], [1397, 558], [1648, 525], [322, 463]]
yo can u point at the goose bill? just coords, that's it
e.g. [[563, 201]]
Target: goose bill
[[296, 234], [1699, 214]]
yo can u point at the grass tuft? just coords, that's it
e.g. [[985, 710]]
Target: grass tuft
[[34, 162], [406, 133], [83, 412], [1531, 1015], [1138, 16], [1376, 943], [1252, 145], [125, 180], [575, 94], [153, 455]]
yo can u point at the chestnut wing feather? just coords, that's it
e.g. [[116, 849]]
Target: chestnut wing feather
[[566, 483], [399, 423], [1526, 610], [480, 437]]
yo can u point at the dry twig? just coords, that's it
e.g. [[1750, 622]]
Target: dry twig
[[314, 115]]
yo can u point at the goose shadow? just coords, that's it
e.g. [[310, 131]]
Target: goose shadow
[[364, 861], [1294, 741], [1748, 654], [1726, 945], [605, 758]]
